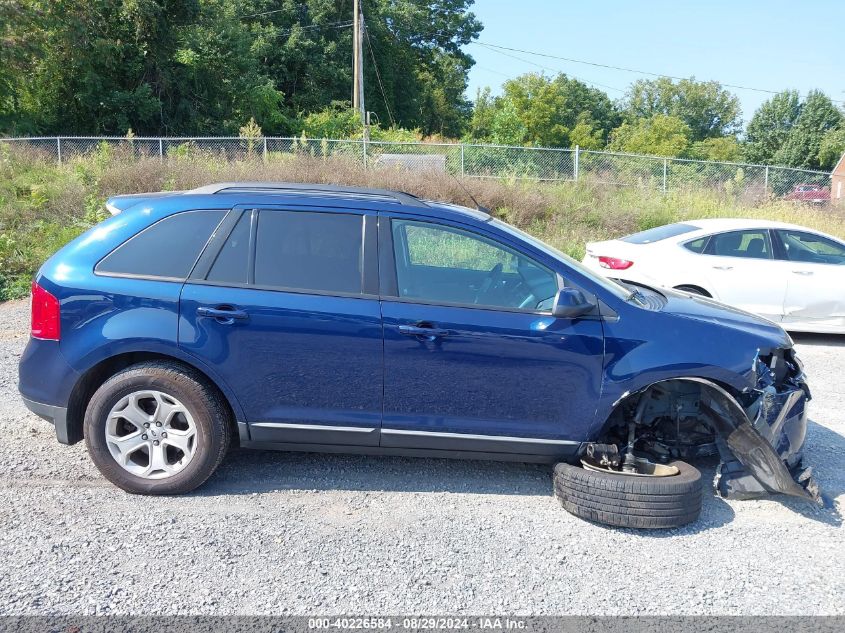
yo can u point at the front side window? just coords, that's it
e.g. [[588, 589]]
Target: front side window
[[440, 264], [810, 248], [753, 244], [308, 251], [167, 249]]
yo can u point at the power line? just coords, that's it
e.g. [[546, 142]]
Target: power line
[[378, 76], [622, 68], [556, 70]]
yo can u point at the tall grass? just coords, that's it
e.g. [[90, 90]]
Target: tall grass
[[43, 205]]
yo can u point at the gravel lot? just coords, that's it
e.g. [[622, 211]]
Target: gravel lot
[[279, 533]]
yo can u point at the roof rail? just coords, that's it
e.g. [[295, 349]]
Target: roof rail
[[222, 187]]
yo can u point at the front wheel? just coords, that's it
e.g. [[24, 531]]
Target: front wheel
[[633, 501], [157, 428]]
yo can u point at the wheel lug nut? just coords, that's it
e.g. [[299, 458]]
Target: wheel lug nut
[[164, 434], [156, 442], [158, 423], [146, 425], [144, 436]]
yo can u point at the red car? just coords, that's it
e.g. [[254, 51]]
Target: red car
[[813, 194]]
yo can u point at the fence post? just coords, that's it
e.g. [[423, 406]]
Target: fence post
[[160, 149], [265, 149], [766, 182], [364, 143], [665, 169], [462, 160], [59, 148], [576, 168]]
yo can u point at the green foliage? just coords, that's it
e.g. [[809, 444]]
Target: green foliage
[[338, 121], [723, 149], [832, 147], [803, 143], [708, 109], [198, 67], [660, 135], [537, 110], [770, 126]]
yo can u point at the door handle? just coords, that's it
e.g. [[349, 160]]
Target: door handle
[[723, 267], [427, 333], [803, 272], [223, 315]]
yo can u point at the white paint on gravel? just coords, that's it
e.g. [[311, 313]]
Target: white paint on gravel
[[281, 533]]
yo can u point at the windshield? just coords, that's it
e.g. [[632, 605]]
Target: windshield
[[609, 285], [659, 233]]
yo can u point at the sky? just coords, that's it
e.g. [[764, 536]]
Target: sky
[[768, 44]]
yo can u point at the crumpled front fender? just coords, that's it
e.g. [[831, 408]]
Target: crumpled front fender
[[767, 461]]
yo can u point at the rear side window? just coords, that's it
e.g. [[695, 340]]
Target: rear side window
[[169, 248], [753, 244], [309, 251], [659, 233]]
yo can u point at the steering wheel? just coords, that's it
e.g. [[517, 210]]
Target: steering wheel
[[490, 281]]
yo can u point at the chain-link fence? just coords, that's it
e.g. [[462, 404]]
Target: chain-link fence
[[468, 160]]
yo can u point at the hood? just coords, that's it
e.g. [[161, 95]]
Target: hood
[[682, 304]]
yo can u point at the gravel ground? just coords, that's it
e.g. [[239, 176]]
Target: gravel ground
[[278, 533]]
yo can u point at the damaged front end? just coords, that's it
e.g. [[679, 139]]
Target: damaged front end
[[758, 433], [761, 440]]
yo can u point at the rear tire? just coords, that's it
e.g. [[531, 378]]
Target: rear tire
[[149, 392], [630, 501]]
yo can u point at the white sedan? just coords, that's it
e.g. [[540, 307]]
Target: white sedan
[[789, 274]]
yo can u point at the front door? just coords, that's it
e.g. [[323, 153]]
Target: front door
[[815, 269], [474, 361], [284, 316]]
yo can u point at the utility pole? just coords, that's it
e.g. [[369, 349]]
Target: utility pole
[[358, 61]]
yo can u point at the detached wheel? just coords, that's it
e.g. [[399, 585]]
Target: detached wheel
[[629, 500], [157, 428]]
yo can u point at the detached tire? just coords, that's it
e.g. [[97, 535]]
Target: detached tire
[[630, 501]]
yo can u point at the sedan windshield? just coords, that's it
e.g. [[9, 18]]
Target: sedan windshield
[[608, 284]]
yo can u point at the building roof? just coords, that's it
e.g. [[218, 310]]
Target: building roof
[[839, 165]]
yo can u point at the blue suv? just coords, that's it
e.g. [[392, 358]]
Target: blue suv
[[335, 319]]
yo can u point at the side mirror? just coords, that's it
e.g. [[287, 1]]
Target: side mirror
[[571, 303]]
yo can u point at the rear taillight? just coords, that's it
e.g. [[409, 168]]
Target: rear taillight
[[614, 263], [45, 314]]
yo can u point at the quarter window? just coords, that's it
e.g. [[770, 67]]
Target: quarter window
[[696, 246], [309, 251], [810, 248], [169, 248], [232, 262], [441, 264], [752, 244]]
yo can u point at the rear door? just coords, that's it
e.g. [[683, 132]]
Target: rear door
[[474, 360], [743, 273], [815, 269], [285, 310]]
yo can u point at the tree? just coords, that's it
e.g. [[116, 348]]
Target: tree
[[818, 117], [770, 126], [832, 147], [660, 135], [547, 111], [708, 109], [207, 66], [725, 149]]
